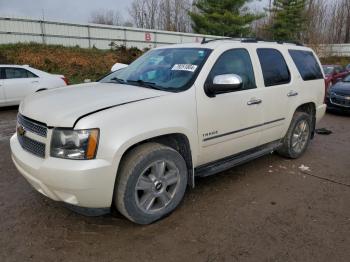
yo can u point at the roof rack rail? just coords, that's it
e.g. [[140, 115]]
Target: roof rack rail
[[289, 42], [251, 40], [204, 40]]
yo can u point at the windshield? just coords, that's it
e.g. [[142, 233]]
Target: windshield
[[169, 69], [328, 70], [346, 79]]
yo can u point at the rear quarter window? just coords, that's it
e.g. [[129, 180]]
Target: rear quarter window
[[274, 67], [306, 64]]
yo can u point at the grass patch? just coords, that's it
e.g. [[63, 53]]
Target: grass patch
[[75, 63]]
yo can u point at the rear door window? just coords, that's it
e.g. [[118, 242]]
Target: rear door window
[[13, 73], [274, 67], [307, 64]]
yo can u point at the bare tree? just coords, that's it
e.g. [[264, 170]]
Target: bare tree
[[339, 25], [144, 13], [328, 22], [106, 17], [347, 21], [171, 15]]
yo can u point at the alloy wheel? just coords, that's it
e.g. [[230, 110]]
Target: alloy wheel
[[157, 186]]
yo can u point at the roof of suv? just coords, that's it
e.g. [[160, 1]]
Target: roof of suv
[[215, 43]]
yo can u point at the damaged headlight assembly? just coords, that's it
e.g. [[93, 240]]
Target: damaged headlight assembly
[[74, 144]]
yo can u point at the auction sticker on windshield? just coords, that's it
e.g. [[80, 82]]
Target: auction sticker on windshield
[[184, 67]]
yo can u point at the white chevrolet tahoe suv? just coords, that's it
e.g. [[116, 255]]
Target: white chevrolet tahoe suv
[[137, 138]]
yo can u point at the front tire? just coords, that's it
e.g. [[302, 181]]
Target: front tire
[[151, 183], [298, 136]]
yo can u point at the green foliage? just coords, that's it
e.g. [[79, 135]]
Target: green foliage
[[223, 17], [289, 19]]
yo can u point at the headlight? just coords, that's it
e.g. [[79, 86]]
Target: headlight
[[74, 144]]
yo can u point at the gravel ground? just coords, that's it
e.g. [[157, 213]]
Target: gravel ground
[[266, 210]]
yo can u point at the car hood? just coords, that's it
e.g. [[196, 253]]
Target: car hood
[[61, 107], [341, 88]]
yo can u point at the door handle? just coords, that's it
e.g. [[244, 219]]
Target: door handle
[[254, 101], [292, 93], [35, 82]]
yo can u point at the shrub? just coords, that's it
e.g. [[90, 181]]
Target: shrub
[[75, 63]]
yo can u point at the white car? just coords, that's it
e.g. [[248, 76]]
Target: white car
[[16, 82], [137, 138]]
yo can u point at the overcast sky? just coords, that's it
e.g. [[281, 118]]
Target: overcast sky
[[66, 10], [61, 10]]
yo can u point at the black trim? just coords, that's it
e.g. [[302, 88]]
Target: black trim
[[88, 211], [243, 129], [108, 107], [235, 160]]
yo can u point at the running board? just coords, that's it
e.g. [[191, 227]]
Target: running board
[[235, 160]]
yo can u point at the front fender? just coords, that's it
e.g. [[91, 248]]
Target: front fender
[[124, 126]]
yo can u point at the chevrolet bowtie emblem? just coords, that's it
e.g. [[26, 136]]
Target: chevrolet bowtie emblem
[[21, 131]]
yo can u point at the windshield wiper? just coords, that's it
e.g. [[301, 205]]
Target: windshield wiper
[[116, 79], [144, 84]]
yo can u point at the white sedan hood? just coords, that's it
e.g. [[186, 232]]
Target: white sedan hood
[[61, 107]]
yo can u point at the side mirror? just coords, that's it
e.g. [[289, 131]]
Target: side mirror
[[223, 84], [118, 66]]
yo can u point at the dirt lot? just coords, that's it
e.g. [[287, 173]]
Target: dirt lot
[[266, 210]]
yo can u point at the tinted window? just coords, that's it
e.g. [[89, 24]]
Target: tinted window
[[307, 64], [11, 73], [274, 68], [235, 61]]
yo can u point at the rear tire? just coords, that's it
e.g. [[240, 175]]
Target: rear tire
[[298, 136], [151, 183]]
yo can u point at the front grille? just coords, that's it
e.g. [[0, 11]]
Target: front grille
[[340, 100], [32, 146], [25, 125], [32, 126]]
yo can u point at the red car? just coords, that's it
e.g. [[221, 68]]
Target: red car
[[334, 73]]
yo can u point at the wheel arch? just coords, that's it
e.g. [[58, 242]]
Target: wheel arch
[[177, 141], [309, 108]]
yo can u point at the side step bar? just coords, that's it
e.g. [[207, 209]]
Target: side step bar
[[235, 160]]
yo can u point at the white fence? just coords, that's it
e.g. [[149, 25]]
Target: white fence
[[333, 50], [14, 30]]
